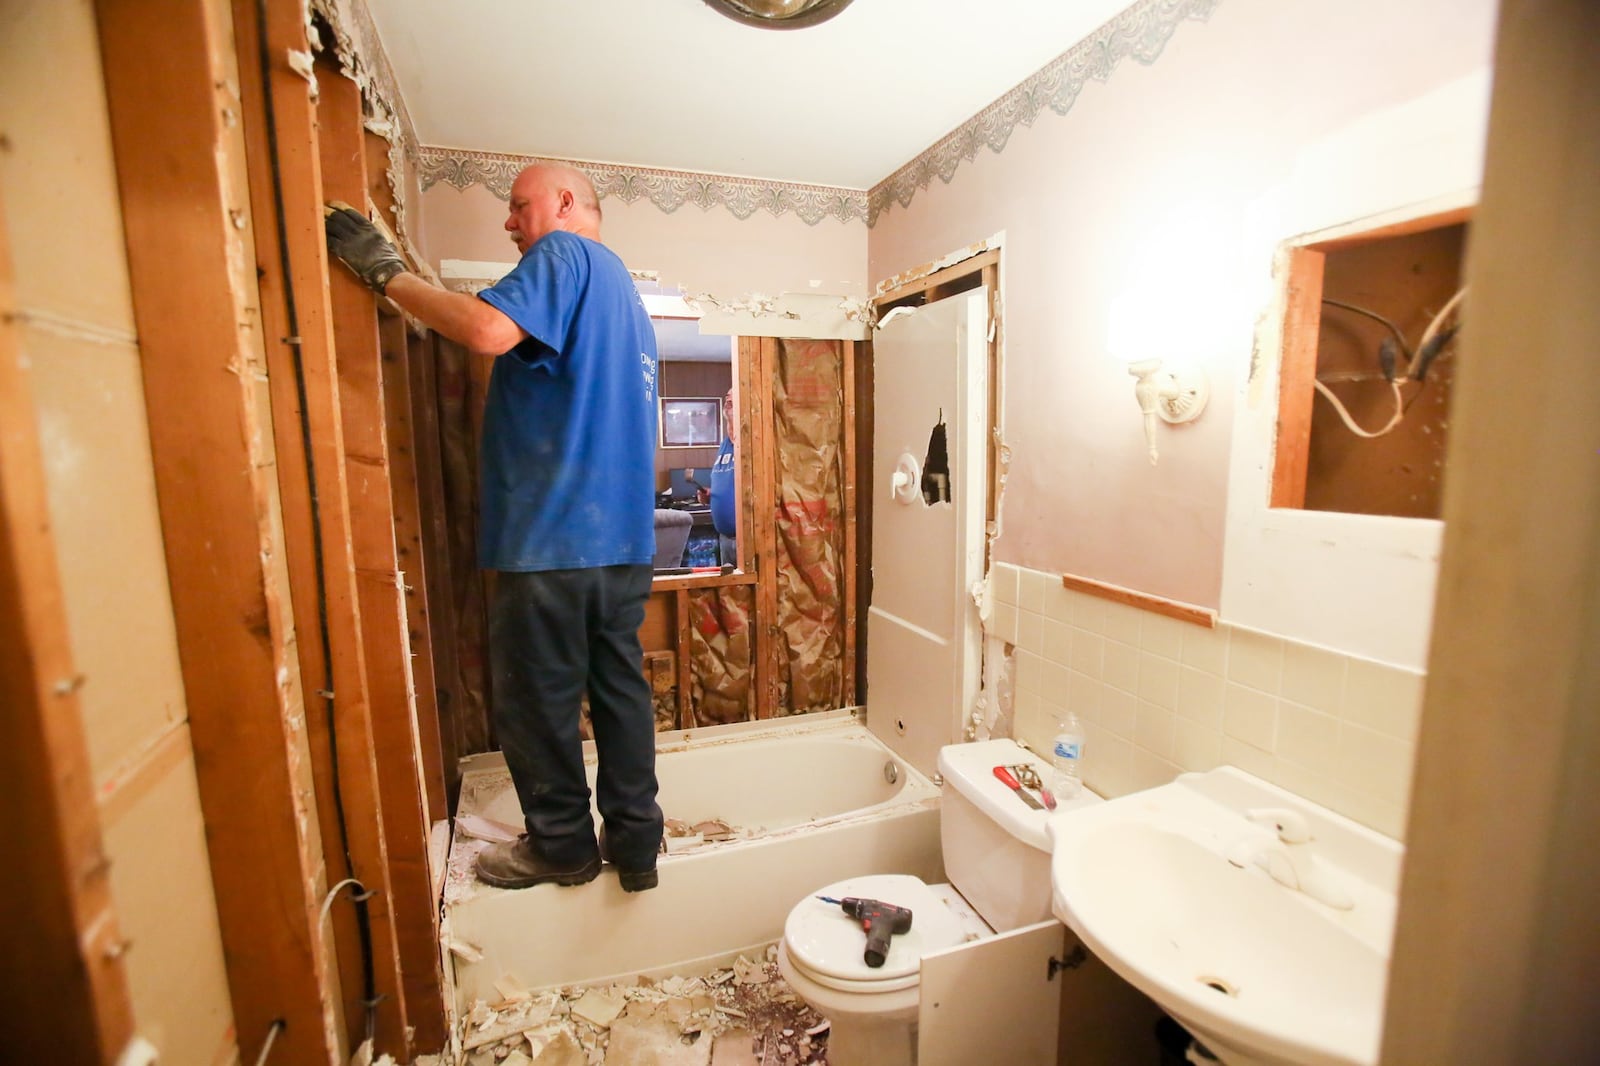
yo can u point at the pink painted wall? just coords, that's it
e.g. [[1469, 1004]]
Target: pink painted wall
[[702, 251], [1154, 194]]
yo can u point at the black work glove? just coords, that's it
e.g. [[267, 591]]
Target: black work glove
[[358, 244]]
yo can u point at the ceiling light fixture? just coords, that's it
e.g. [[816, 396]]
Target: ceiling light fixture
[[779, 14]]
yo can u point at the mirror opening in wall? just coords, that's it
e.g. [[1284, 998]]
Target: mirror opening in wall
[[697, 448], [1369, 346]]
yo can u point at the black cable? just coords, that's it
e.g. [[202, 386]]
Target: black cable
[[1399, 337], [291, 313]]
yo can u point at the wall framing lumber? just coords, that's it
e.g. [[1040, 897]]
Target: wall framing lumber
[[74, 1006], [684, 671], [349, 310], [1297, 369], [421, 366], [996, 391], [407, 499], [169, 86], [862, 387], [411, 560], [761, 356], [847, 492], [928, 281], [386, 649]]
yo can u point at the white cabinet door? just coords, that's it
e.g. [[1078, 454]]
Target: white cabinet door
[[993, 1001], [923, 633]]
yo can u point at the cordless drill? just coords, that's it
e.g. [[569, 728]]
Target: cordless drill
[[880, 920]]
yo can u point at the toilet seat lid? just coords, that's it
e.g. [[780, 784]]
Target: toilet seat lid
[[829, 944]]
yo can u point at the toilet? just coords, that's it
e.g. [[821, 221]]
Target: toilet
[[997, 856]]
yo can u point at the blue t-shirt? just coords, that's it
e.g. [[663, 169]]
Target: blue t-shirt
[[567, 470], [723, 510]]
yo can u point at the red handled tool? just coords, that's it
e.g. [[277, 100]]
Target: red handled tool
[[1011, 782], [880, 920]]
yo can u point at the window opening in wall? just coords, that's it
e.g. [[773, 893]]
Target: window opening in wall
[[697, 422], [1370, 340]]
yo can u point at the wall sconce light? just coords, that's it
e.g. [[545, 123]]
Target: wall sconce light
[[1174, 396]]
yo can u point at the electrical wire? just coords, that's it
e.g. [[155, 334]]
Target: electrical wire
[[292, 317], [1401, 405], [1400, 338], [1350, 423], [273, 1030]]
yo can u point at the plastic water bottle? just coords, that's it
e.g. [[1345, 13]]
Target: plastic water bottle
[[1066, 758]]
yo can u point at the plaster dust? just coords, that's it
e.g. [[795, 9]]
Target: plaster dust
[[743, 1015]]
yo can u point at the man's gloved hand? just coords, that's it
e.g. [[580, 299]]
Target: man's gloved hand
[[358, 244]]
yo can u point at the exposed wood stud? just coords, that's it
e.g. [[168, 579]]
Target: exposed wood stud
[[168, 83], [684, 646], [349, 309], [1297, 369], [395, 349], [847, 495], [863, 386], [410, 558], [435, 532], [385, 647], [763, 357]]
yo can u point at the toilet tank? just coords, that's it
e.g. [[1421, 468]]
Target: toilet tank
[[996, 851]]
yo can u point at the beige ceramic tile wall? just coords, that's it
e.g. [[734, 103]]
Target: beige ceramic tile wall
[[1158, 697], [64, 234]]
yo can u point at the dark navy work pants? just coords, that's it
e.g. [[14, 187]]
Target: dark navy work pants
[[553, 634]]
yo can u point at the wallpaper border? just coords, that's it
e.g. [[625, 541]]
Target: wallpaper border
[[669, 190]]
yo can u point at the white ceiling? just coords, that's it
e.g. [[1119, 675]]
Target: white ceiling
[[673, 84]]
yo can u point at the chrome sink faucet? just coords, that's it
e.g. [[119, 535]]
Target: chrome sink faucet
[[1289, 859]]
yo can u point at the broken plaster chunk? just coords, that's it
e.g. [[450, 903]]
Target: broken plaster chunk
[[714, 829], [511, 990], [674, 845], [598, 1008], [476, 825], [464, 951], [516, 1058], [560, 1048], [750, 973]]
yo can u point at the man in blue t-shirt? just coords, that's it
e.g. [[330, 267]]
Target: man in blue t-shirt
[[567, 484]]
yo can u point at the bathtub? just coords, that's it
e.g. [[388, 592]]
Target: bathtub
[[809, 801]]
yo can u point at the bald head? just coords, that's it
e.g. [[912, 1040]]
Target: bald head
[[552, 196]]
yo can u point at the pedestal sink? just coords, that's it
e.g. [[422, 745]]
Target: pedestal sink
[[1162, 887]]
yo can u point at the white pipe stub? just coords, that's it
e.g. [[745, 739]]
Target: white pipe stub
[[905, 485]]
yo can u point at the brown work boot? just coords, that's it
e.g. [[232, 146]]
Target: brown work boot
[[517, 864], [632, 880]]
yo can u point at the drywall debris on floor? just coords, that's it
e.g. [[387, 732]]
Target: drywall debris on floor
[[744, 1015]]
